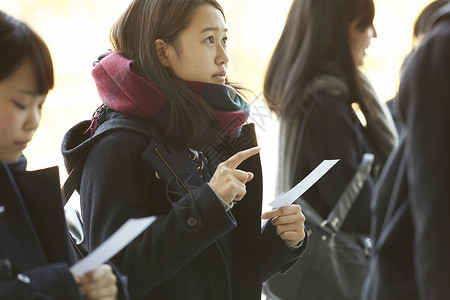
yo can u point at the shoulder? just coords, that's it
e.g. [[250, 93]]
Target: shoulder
[[122, 136], [329, 108], [117, 134]]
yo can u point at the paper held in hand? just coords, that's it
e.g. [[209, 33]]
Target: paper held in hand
[[116, 242], [290, 196]]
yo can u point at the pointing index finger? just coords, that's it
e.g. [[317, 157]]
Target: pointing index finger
[[239, 157]]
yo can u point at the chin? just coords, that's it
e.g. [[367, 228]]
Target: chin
[[10, 159]]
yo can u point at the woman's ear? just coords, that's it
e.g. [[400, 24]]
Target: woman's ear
[[162, 49]]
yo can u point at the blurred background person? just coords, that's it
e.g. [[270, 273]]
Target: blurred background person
[[34, 247], [411, 201], [313, 80]]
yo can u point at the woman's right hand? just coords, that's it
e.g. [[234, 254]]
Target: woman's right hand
[[228, 181], [99, 284]]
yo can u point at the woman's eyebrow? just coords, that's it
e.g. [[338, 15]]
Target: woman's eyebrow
[[212, 29]]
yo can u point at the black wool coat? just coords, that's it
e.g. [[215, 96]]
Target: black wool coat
[[34, 247], [412, 200], [35, 256], [195, 249]]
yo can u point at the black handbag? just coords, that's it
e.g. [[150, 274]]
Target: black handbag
[[335, 264]]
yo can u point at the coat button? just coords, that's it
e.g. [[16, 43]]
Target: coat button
[[191, 222], [24, 278]]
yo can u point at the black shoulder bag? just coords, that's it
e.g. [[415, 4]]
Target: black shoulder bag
[[335, 264]]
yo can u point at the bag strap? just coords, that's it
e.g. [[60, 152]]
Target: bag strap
[[73, 181], [340, 211]]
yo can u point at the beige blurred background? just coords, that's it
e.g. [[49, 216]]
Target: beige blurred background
[[77, 32]]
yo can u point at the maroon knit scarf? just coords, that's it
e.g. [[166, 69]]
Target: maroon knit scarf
[[123, 90]]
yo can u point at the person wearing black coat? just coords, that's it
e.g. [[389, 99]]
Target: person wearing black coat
[[171, 140], [410, 204], [196, 249], [327, 109], [35, 256]]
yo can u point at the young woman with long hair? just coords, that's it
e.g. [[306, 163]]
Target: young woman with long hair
[[313, 82], [168, 141]]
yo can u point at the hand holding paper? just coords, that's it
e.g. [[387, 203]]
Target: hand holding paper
[[289, 222], [116, 242], [290, 196]]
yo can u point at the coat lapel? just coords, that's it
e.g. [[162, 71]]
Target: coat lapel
[[18, 239], [42, 196]]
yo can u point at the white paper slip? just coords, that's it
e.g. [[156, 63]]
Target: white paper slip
[[290, 196], [116, 242]]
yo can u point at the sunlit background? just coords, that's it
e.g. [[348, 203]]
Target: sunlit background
[[77, 32]]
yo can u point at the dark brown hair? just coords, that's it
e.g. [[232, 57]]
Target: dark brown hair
[[135, 33], [424, 20], [19, 42], [316, 32]]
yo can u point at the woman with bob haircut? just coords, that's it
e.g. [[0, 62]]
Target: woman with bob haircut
[[35, 256], [170, 140], [313, 77]]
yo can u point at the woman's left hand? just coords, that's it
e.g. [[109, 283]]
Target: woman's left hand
[[289, 222], [99, 284]]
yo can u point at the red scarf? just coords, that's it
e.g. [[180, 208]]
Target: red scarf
[[123, 90]]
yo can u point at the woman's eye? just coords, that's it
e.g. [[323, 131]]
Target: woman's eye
[[224, 41], [19, 105], [210, 39]]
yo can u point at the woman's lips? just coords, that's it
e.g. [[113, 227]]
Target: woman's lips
[[221, 76], [22, 145]]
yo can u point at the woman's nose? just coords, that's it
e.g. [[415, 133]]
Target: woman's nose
[[33, 119], [222, 55], [374, 32]]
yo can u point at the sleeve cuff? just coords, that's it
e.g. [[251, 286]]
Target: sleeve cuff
[[225, 205], [293, 248]]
